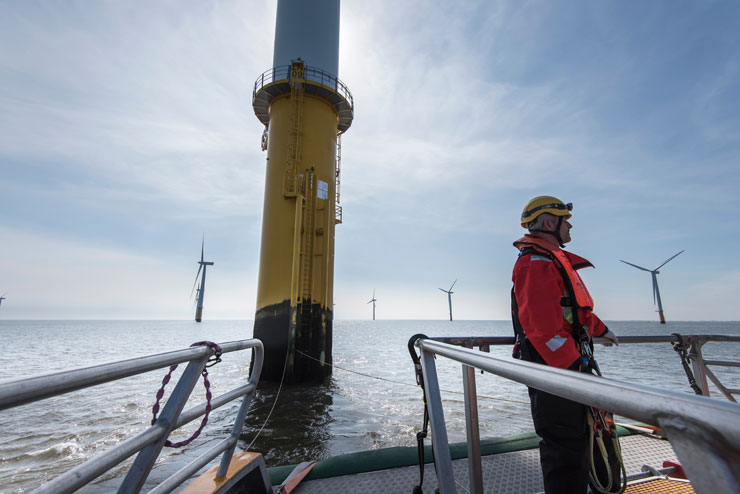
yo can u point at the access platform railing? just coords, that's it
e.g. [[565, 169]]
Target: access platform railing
[[149, 443], [704, 433]]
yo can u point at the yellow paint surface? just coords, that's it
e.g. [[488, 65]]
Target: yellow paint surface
[[318, 150], [208, 483]]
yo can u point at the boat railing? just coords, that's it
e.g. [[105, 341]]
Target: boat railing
[[704, 433], [689, 348], [149, 443]]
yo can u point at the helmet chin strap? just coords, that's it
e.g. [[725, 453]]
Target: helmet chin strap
[[555, 233]]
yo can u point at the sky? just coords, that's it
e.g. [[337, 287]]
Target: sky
[[127, 133]]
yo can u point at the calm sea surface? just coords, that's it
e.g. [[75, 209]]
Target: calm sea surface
[[370, 402]]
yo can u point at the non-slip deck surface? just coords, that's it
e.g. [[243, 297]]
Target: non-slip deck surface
[[510, 473]]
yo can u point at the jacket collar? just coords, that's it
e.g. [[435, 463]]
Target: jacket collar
[[576, 261]]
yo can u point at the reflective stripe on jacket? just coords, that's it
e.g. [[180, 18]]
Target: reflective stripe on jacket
[[547, 291]]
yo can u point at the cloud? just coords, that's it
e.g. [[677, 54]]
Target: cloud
[[129, 127], [52, 277], [96, 97], [712, 300]]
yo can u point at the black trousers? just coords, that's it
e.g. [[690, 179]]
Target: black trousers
[[563, 428]]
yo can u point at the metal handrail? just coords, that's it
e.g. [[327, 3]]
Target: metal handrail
[[313, 74], [148, 444], [695, 342], [705, 431]]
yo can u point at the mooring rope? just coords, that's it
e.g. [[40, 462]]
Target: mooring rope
[[280, 387], [406, 384]]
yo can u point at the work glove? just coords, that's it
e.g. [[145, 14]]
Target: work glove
[[611, 337]]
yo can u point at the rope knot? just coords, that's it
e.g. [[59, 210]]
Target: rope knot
[[216, 358]]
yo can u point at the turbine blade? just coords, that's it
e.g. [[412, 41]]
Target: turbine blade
[[196, 280], [453, 284], [670, 258], [635, 266], [443, 290], [202, 247]]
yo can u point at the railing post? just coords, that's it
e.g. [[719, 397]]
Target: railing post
[[475, 469], [257, 359], [441, 448], [167, 420], [223, 467]]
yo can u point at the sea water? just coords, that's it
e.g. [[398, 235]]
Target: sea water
[[371, 401]]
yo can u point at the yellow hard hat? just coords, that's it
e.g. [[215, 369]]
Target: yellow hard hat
[[545, 204]]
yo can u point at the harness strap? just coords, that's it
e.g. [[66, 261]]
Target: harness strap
[[602, 429]]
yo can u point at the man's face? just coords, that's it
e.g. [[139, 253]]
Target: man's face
[[565, 231]]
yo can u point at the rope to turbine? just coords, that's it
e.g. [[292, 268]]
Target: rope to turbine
[[406, 384], [277, 395]]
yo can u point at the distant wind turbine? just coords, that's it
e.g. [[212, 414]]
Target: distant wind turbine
[[3, 298], [202, 289], [449, 296], [656, 292], [373, 300]]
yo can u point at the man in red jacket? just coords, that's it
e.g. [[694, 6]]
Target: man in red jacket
[[553, 317]]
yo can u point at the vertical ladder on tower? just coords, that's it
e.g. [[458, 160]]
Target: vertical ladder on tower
[[297, 83], [307, 258], [338, 173]]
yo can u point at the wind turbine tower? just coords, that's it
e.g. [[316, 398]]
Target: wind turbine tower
[[449, 296], [304, 108], [3, 298], [656, 293], [373, 300], [202, 289]]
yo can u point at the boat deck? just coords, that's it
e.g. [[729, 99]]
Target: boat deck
[[512, 473]]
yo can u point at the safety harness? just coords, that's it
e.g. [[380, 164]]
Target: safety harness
[[607, 474]]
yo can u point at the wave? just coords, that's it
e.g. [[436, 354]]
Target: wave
[[68, 450]]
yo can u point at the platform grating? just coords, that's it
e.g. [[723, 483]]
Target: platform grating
[[512, 473], [660, 486]]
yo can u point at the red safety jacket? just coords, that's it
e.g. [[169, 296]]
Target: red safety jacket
[[550, 301]]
